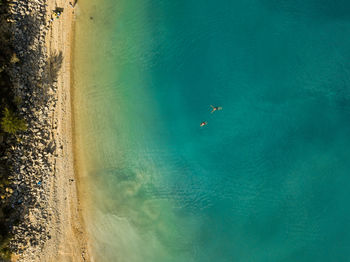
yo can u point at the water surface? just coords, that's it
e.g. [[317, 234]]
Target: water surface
[[266, 180]]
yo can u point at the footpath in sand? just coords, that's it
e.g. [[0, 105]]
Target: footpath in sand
[[46, 193]]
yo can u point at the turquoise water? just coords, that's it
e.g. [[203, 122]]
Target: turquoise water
[[266, 180]]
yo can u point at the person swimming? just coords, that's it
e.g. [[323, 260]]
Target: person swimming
[[215, 108], [203, 123]]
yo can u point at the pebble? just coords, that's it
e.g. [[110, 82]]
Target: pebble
[[32, 158]]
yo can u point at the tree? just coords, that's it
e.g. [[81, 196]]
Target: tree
[[11, 124]]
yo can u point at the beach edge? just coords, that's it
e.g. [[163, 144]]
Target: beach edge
[[69, 240]]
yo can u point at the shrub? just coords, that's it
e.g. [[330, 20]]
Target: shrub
[[14, 58], [11, 124], [5, 252]]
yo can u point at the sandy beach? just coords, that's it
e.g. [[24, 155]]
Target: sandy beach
[[68, 242], [46, 190]]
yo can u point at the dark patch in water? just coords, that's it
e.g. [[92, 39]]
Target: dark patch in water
[[324, 9]]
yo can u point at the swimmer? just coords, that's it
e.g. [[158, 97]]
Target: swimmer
[[215, 108], [203, 123]]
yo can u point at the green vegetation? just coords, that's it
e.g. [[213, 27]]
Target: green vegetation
[[5, 252], [10, 123], [14, 58]]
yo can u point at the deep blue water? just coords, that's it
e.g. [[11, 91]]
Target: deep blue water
[[268, 178]]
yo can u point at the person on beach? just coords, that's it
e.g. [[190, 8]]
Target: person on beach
[[215, 108], [203, 123]]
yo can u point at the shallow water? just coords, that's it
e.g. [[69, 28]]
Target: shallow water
[[266, 179]]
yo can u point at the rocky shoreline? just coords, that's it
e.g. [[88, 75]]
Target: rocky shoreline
[[32, 154]]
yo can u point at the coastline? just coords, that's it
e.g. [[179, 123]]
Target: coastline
[[52, 226], [71, 244]]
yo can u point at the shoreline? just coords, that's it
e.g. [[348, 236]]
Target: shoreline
[[72, 245], [52, 226]]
